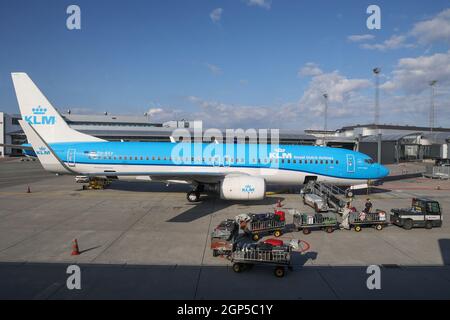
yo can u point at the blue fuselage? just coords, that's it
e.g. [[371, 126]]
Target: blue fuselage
[[310, 160]]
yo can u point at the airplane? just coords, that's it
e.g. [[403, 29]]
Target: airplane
[[65, 151]]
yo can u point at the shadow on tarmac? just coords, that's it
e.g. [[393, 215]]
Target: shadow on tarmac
[[183, 282], [211, 204]]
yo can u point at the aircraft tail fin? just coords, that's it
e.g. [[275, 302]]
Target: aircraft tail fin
[[44, 152], [45, 119]]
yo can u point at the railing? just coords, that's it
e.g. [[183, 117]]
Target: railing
[[262, 256], [331, 192], [361, 217], [441, 171], [266, 225], [302, 220]]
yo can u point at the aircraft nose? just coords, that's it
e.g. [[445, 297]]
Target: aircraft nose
[[383, 171]]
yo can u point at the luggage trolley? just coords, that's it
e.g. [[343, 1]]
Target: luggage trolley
[[255, 228], [377, 219], [305, 222], [223, 237], [279, 257]]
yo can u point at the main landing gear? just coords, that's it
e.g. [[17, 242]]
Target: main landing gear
[[193, 196]]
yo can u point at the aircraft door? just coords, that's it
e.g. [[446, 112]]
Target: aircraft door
[[350, 163], [71, 157]]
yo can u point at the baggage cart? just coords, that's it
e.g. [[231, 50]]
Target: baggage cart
[[377, 219], [307, 222], [277, 257], [223, 238], [258, 228]]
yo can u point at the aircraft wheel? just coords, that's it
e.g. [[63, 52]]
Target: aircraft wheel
[[357, 228], [193, 196], [428, 225], [379, 227]]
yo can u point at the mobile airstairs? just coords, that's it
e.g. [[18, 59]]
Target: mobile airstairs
[[336, 197]]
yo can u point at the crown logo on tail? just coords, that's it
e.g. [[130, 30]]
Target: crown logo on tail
[[39, 110]]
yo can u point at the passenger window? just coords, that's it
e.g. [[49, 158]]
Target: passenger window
[[317, 162], [146, 158], [337, 162], [153, 158]]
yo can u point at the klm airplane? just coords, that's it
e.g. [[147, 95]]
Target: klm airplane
[[236, 171]]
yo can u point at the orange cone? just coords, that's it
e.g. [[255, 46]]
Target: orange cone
[[75, 249]]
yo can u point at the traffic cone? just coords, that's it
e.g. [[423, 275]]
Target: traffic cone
[[28, 189], [75, 249]]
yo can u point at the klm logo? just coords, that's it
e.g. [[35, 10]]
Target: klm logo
[[248, 188], [39, 117], [43, 151]]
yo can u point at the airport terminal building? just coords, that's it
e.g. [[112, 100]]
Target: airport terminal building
[[390, 143]]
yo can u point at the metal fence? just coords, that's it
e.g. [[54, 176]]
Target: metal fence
[[441, 171]]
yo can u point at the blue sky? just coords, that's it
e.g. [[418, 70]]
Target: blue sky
[[232, 63]]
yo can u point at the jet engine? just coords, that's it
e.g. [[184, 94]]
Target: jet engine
[[242, 188]]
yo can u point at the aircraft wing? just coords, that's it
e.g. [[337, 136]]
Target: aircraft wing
[[204, 177]]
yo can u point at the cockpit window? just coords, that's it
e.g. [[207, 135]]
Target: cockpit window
[[369, 161]]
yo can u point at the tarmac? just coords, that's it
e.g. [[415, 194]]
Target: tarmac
[[145, 241]]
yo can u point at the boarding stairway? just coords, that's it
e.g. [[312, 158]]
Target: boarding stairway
[[335, 197]]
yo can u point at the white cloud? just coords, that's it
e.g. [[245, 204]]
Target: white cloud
[[215, 70], [426, 32], [414, 74], [435, 29], [216, 15], [309, 70], [360, 37], [340, 91], [344, 102], [394, 42], [266, 4]]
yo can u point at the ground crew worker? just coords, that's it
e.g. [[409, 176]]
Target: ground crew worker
[[345, 215], [367, 206]]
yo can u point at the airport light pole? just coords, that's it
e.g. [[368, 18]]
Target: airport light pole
[[376, 72], [325, 113], [432, 84]]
